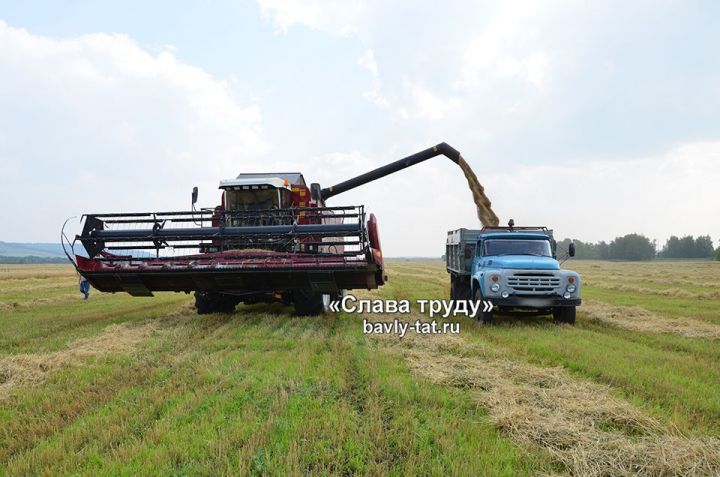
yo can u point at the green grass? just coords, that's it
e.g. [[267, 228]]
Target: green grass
[[261, 392], [257, 392], [675, 378], [668, 306]]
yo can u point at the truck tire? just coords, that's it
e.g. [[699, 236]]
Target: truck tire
[[485, 316], [310, 303], [564, 314], [459, 288], [213, 302]]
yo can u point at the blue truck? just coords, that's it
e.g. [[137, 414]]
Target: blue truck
[[514, 268]]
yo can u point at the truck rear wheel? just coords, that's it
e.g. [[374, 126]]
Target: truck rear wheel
[[485, 316], [213, 302], [564, 314], [459, 288]]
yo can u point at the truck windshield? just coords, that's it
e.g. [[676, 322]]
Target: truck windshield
[[540, 248]]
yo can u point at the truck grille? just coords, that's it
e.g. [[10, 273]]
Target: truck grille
[[533, 283]]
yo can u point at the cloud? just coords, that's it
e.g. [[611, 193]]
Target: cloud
[[424, 104], [416, 101], [337, 18], [367, 61], [660, 195], [96, 123], [508, 48]]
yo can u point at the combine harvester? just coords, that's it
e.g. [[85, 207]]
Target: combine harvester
[[271, 239]]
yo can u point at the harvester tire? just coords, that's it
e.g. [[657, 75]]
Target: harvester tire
[[309, 303], [212, 302], [485, 316], [565, 314]]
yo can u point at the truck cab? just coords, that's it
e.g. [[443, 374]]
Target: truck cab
[[515, 268]]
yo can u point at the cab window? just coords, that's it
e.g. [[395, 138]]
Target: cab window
[[252, 199], [539, 248]]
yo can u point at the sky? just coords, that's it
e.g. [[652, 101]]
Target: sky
[[595, 119]]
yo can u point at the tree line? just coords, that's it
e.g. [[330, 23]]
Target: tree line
[[638, 247]]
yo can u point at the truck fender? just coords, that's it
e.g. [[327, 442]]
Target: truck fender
[[474, 285]]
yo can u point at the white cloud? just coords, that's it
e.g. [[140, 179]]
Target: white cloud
[[508, 48], [424, 104], [367, 61], [661, 195], [374, 95], [96, 123], [335, 17], [498, 51]]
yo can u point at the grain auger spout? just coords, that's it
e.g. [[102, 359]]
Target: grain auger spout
[[442, 149], [482, 204]]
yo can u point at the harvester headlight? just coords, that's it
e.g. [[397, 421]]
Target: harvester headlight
[[571, 288], [495, 287]]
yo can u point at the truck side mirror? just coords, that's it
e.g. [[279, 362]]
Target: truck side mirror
[[571, 249], [194, 195]]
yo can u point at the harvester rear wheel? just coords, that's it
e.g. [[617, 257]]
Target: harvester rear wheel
[[308, 302], [213, 302]]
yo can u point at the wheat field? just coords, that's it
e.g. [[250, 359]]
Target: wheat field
[[118, 385]]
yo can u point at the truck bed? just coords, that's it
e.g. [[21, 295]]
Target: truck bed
[[459, 250]]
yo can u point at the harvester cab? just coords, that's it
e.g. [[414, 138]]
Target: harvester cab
[[271, 238], [250, 193]]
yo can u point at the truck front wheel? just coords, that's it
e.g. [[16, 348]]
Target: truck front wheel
[[485, 316], [564, 314]]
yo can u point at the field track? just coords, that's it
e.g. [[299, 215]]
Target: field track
[[122, 386]]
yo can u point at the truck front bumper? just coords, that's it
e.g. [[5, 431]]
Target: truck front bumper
[[533, 302]]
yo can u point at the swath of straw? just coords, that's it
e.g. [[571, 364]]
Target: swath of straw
[[579, 423]]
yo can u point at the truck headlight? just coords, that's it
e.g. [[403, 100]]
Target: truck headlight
[[567, 295], [505, 294], [495, 287], [571, 288]]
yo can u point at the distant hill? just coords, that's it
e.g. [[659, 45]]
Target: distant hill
[[40, 250], [31, 259]]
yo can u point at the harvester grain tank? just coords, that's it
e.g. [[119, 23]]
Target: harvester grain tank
[[271, 238]]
